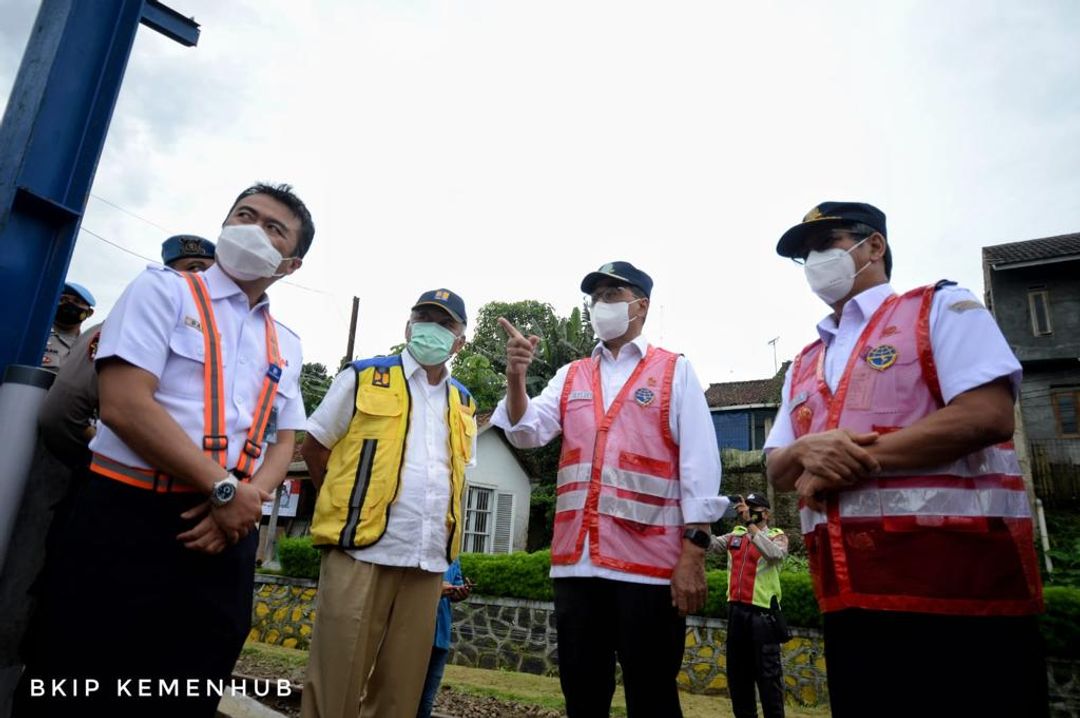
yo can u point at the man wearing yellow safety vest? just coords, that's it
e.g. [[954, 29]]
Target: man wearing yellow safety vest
[[387, 449], [755, 556], [148, 601]]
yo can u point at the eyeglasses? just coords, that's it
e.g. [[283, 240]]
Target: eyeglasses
[[607, 295], [826, 241]]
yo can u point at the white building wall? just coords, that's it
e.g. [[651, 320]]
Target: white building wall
[[497, 468]]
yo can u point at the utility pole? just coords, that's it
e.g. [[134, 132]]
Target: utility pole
[[349, 350], [775, 366]]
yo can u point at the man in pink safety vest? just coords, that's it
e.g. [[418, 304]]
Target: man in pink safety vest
[[638, 485], [896, 430]]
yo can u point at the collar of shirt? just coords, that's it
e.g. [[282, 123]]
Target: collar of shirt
[[639, 342], [222, 285], [410, 366], [858, 309]]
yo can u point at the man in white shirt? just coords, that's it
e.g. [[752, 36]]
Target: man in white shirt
[[199, 387], [638, 485], [895, 428], [387, 449]]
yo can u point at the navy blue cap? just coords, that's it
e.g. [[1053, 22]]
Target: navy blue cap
[[446, 299], [79, 291], [621, 271], [757, 500], [828, 215], [183, 246]]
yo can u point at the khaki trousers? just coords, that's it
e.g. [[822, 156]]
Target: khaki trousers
[[374, 626]]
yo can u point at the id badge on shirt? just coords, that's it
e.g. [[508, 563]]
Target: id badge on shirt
[[271, 427]]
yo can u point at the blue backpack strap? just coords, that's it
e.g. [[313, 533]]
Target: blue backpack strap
[[463, 393]]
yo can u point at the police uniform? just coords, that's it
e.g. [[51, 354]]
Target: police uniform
[[61, 340], [186, 246], [753, 640], [71, 406], [149, 607]]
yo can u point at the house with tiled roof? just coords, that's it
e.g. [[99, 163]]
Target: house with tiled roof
[[1033, 290], [743, 411]]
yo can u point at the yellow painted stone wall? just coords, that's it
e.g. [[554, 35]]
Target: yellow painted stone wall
[[283, 611]]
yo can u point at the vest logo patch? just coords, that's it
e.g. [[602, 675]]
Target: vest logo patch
[[580, 396], [882, 357], [889, 331], [380, 377], [644, 396], [804, 415], [736, 541]]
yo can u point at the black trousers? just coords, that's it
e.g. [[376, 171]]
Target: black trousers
[[123, 600], [887, 663], [753, 658], [599, 620]]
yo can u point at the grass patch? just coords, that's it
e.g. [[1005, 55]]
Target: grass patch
[[265, 661]]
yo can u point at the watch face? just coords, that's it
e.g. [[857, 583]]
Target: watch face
[[224, 492]]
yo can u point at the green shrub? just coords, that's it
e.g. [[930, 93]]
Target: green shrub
[[515, 575], [1061, 623], [299, 558]]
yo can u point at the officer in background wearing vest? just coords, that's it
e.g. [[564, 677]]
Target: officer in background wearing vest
[[631, 529], [755, 555], [75, 307], [199, 388], [896, 430], [387, 449]]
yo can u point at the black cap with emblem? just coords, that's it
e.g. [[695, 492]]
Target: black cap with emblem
[[834, 215], [182, 246]]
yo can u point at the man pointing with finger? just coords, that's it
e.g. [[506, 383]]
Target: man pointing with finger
[[896, 429], [638, 485]]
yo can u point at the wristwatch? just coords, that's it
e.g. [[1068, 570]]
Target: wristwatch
[[224, 491], [699, 538]]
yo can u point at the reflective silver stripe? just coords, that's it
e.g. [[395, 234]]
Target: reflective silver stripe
[[931, 501], [572, 474], [641, 483], [571, 500], [639, 512], [124, 470], [987, 462], [808, 519]]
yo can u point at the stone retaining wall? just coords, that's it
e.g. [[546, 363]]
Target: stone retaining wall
[[519, 635]]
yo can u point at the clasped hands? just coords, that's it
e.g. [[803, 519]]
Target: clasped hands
[[832, 460], [222, 526]]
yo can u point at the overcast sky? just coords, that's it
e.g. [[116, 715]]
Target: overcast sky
[[504, 149]]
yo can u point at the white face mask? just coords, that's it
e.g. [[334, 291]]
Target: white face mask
[[831, 272], [610, 320], [245, 253]]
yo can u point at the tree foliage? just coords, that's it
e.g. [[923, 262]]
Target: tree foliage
[[314, 381]]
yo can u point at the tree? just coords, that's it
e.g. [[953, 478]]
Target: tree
[[485, 384], [562, 340], [314, 381]]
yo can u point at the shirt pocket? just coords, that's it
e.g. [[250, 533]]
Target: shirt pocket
[[378, 414], [185, 368]]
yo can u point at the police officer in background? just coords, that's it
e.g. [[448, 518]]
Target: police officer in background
[[187, 253], [75, 307], [199, 387], [755, 556]]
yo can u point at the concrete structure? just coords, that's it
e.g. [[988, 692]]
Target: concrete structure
[[743, 411]]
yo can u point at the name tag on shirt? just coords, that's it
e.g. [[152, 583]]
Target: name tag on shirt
[[577, 395]]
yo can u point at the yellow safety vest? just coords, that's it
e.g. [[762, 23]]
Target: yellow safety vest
[[364, 470]]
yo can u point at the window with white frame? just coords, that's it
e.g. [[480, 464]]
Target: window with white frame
[[1039, 306], [489, 520]]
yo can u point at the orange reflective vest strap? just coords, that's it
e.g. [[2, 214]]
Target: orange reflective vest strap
[[215, 439], [139, 478], [260, 418]]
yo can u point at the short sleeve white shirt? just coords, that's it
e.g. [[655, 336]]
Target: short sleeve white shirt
[[155, 327], [416, 533], [969, 348]]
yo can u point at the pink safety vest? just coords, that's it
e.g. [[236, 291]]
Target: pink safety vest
[[618, 476], [949, 539]]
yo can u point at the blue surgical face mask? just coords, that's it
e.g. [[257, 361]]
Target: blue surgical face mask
[[429, 343]]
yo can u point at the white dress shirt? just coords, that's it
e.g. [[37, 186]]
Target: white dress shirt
[[416, 533], [691, 426], [155, 326], [969, 348]]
